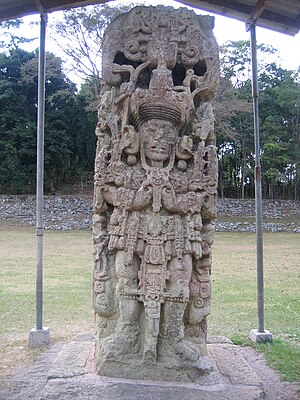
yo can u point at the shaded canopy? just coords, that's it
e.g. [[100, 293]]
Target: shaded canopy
[[279, 15]]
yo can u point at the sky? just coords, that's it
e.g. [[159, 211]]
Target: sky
[[225, 29]]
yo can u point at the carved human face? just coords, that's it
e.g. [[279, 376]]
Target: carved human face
[[158, 138]]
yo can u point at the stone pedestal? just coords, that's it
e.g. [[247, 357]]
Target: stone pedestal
[[72, 376], [260, 337], [39, 337]]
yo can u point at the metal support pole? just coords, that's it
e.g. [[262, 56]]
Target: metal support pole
[[40, 176], [40, 335], [258, 191], [260, 334]]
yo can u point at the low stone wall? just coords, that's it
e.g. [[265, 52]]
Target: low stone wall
[[75, 212], [239, 215]]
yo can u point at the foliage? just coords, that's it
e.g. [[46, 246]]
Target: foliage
[[9, 38], [80, 32], [234, 139], [17, 125], [280, 131], [69, 129], [236, 60], [279, 108]]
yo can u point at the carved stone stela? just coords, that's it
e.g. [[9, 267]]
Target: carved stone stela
[[155, 195]]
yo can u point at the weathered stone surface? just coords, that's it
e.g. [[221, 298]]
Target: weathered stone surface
[[120, 390], [232, 365], [32, 382], [155, 195], [29, 382], [233, 378], [72, 360]]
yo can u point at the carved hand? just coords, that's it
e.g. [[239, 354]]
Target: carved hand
[[143, 197], [169, 199], [108, 193]]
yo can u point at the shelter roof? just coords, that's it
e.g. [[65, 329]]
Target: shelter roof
[[279, 15]]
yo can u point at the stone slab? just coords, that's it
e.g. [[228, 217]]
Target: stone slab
[[99, 388], [137, 370], [67, 373], [72, 360], [73, 376], [232, 365], [29, 382]]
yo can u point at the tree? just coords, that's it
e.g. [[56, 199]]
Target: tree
[[280, 131], [233, 121], [279, 123], [236, 60], [17, 140], [68, 137], [10, 40], [79, 34]]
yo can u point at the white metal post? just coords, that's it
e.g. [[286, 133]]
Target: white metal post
[[260, 334], [40, 335]]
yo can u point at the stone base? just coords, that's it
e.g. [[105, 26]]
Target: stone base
[[120, 389], [137, 369], [73, 376], [39, 337], [67, 372], [260, 337]]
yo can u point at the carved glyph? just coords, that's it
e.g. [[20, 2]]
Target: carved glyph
[[155, 192]]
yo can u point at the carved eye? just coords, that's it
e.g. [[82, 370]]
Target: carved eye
[[133, 48], [198, 302], [205, 290]]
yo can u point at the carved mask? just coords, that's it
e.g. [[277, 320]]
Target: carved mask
[[158, 138]]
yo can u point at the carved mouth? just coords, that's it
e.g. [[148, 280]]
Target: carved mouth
[[157, 149]]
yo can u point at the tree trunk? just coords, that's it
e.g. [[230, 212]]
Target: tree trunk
[[296, 197], [243, 178]]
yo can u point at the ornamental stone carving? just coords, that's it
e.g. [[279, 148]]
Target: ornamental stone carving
[[155, 195]]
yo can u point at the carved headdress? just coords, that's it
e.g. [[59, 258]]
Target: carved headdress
[[161, 100]]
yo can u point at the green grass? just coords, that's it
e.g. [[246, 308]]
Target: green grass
[[234, 308], [67, 291], [284, 356]]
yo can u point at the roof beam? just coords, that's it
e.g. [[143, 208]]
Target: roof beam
[[286, 21], [225, 5], [39, 6], [18, 11], [256, 12], [239, 10], [55, 5], [35, 6]]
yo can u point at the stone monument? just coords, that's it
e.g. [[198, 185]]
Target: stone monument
[[155, 195]]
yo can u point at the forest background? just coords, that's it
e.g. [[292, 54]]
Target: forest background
[[71, 113]]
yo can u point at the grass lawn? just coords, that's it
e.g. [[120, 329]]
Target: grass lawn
[[67, 292]]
